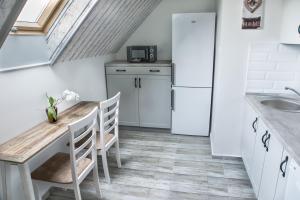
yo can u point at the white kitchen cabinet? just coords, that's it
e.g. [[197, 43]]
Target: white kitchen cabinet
[[145, 93], [293, 182], [290, 29], [127, 85], [155, 101], [257, 163], [282, 176], [251, 121], [274, 150]]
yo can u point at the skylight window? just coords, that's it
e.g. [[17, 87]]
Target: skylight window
[[33, 10], [38, 16]]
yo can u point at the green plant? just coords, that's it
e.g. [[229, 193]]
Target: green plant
[[52, 110]]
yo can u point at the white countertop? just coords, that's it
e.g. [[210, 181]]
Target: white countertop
[[124, 63]]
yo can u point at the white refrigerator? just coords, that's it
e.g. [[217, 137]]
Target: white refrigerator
[[193, 41]]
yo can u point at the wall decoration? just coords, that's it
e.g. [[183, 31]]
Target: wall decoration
[[253, 14]]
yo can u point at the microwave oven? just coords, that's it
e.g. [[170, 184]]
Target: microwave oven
[[140, 54]]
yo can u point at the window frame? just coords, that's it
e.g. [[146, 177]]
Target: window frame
[[44, 23]]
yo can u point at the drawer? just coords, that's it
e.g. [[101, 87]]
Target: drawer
[[162, 71]]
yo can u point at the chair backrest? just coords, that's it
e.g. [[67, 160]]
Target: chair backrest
[[83, 145], [109, 117]]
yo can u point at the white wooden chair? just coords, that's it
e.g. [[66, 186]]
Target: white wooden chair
[[109, 131], [69, 170]]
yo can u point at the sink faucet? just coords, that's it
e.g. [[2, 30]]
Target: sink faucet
[[293, 90]]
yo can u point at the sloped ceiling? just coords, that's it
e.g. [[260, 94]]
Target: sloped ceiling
[[107, 28], [9, 12]]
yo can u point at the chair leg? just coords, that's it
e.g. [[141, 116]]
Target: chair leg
[[118, 154], [97, 182], [77, 191], [36, 191], [105, 166]]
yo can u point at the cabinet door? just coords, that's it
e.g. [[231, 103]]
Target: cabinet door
[[127, 85], [258, 158], [290, 29], [271, 169], [293, 182], [155, 101], [249, 135], [282, 176]]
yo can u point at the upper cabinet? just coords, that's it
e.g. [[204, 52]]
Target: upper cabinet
[[290, 29]]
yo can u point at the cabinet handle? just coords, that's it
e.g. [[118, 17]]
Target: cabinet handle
[[299, 29], [154, 70], [135, 82], [267, 139], [140, 83], [172, 99], [263, 138], [281, 166], [120, 70], [254, 124], [173, 74]]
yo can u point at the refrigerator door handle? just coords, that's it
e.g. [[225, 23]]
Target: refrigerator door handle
[[172, 100], [173, 74]]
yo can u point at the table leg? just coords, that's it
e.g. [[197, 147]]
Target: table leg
[[26, 181], [3, 181]]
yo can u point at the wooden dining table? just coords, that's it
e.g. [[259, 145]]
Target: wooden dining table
[[21, 149]]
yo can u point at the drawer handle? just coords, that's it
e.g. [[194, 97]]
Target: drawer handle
[[254, 124], [281, 166], [172, 100], [135, 82], [154, 70], [120, 70], [140, 83], [173, 74]]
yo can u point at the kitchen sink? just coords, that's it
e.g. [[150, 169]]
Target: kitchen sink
[[283, 104]]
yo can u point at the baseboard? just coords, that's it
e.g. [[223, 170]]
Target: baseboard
[[135, 128]]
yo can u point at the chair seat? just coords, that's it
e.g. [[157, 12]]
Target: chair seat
[[58, 169], [108, 137]]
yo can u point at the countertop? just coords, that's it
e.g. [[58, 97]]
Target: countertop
[[285, 126], [124, 63]]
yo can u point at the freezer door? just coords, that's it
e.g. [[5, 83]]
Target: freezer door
[[191, 111], [193, 37]]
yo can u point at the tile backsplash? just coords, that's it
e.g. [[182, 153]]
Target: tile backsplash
[[272, 66]]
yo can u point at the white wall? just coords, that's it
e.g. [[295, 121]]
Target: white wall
[[157, 28], [230, 70], [23, 102]]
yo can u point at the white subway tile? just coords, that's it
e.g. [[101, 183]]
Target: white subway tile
[[254, 75], [283, 57], [289, 48], [249, 90], [262, 66], [280, 76], [260, 84], [280, 85], [288, 67], [254, 56], [264, 47]]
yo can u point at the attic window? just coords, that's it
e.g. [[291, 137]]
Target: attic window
[[38, 16]]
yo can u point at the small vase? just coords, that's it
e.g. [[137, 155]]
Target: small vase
[[51, 118]]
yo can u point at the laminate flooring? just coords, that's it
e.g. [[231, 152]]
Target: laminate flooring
[[157, 165]]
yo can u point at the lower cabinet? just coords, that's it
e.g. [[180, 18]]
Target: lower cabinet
[[126, 84], [292, 191], [283, 176], [271, 168], [273, 173], [251, 122], [145, 99], [258, 157]]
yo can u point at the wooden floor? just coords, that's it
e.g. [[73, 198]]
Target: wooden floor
[[161, 166]]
